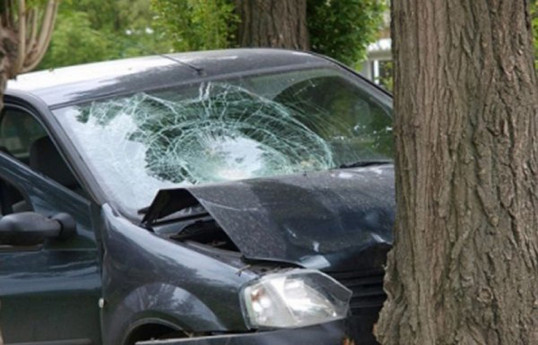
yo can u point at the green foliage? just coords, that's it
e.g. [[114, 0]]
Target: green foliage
[[338, 28], [97, 30], [343, 29], [66, 48], [196, 25], [35, 3], [94, 30]]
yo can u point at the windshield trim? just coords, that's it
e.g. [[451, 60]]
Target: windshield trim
[[197, 80]]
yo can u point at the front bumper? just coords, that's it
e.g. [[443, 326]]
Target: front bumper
[[331, 333]]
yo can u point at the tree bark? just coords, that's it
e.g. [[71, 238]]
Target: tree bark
[[272, 23], [464, 268], [8, 59]]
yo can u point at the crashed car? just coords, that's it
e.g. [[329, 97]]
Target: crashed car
[[225, 197]]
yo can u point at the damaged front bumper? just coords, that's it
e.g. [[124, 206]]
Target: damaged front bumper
[[331, 333]]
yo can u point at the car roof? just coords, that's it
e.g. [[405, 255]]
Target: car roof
[[82, 83]]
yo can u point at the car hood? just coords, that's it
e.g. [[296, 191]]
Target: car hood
[[328, 219]]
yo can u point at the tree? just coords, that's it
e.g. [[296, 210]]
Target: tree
[[465, 261], [25, 32], [196, 25], [341, 29], [109, 30], [269, 23], [72, 28]]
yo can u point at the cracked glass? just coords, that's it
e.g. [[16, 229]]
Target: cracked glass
[[220, 130]]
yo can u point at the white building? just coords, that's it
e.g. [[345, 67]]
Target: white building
[[377, 66], [377, 54]]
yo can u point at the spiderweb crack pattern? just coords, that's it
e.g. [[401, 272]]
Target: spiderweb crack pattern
[[223, 133]]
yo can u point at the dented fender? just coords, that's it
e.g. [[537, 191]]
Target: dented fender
[[148, 277]]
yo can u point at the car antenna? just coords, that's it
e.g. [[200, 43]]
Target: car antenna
[[198, 70]]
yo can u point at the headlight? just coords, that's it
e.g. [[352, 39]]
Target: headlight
[[295, 298]]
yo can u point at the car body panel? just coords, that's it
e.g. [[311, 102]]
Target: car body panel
[[72, 85], [331, 333], [64, 277], [306, 219], [147, 276]]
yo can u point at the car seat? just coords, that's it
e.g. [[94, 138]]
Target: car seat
[[45, 159]]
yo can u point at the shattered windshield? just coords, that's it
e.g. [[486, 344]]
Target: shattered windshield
[[220, 130]]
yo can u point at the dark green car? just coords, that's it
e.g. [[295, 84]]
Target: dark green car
[[224, 197]]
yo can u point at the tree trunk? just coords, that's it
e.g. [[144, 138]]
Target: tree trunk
[[272, 23], [464, 268], [8, 59]]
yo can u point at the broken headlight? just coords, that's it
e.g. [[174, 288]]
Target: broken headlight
[[295, 298]]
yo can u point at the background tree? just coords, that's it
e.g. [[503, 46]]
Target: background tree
[[465, 262], [124, 28], [196, 25], [109, 30], [341, 29], [270, 23], [25, 32]]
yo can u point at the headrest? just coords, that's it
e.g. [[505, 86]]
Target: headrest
[[5, 150], [45, 158]]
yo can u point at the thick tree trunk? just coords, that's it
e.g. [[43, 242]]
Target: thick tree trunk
[[464, 268], [273, 23]]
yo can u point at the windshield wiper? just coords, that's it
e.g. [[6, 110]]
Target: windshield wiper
[[365, 163]]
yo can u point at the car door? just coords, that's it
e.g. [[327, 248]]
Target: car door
[[48, 292]]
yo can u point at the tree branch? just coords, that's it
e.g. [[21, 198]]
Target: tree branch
[[32, 28], [21, 32], [45, 36]]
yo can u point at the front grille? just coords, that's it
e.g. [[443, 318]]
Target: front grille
[[367, 288]]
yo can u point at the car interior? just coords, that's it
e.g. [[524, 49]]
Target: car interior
[[23, 138]]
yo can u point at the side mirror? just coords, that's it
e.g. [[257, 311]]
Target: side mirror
[[30, 228]]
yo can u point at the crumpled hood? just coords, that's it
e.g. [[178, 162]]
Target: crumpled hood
[[319, 220]]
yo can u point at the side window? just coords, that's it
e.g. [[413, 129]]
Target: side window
[[18, 130], [23, 137], [12, 199]]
